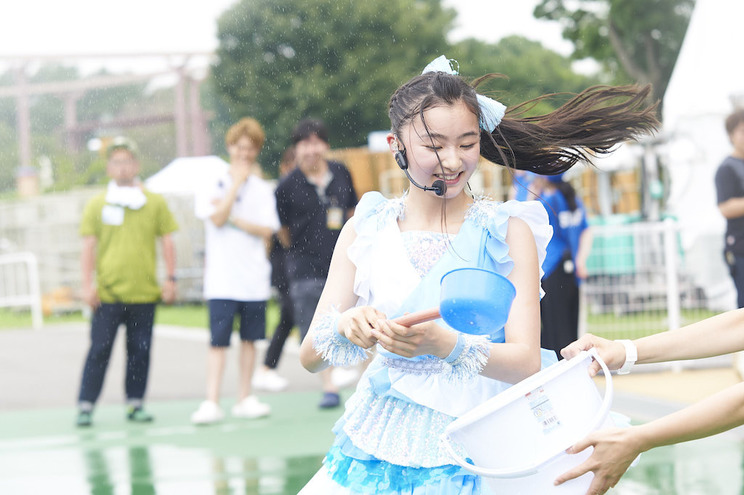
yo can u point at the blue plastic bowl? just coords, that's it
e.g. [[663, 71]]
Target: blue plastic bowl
[[476, 301]]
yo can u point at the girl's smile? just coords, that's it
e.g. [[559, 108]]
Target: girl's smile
[[449, 179]]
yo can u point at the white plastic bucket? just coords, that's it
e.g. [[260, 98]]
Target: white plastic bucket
[[517, 440]]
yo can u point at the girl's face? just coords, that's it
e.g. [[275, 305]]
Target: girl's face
[[454, 136]]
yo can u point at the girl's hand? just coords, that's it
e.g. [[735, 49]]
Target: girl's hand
[[417, 340], [357, 325]]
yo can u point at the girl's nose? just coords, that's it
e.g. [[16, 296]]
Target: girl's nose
[[450, 158]]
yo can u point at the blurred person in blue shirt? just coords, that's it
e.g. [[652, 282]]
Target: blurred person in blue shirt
[[565, 261]]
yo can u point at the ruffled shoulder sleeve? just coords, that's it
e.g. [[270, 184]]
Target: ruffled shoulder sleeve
[[373, 214], [374, 210], [494, 217]]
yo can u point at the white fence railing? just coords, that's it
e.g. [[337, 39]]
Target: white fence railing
[[19, 284], [638, 284]]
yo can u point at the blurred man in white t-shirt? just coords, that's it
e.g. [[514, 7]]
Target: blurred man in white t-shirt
[[239, 213]]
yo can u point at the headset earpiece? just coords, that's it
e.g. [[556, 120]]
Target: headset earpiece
[[400, 159], [439, 187]]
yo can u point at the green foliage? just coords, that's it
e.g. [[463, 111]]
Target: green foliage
[[95, 110], [104, 103], [280, 61], [8, 153], [635, 40], [529, 69], [339, 60]]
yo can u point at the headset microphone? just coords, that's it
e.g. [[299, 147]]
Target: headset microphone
[[439, 187]]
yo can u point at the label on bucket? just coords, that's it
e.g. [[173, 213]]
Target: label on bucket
[[542, 409]]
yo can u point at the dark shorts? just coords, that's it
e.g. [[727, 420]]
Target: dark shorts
[[222, 317]]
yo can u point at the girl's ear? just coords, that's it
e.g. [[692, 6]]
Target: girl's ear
[[392, 142]]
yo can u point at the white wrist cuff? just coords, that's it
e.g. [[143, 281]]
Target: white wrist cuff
[[631, 356]]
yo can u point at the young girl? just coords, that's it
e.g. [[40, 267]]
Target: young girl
[[391, 256]]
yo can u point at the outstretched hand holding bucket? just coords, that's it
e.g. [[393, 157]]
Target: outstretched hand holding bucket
[[518, 439], [472, 300]]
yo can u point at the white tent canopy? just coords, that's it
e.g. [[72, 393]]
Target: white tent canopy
[[709, 72], [708, 79], [187, 175]]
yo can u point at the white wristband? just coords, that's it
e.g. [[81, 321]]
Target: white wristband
[[631, 356]]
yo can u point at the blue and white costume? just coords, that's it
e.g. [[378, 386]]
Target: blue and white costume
[[387, 441]]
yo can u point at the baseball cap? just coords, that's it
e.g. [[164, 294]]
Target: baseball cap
[[121, 143]]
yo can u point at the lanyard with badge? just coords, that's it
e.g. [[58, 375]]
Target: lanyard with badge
[[334, 212], [334, 215]]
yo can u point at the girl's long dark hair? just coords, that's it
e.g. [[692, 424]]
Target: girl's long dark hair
[[591, 123]]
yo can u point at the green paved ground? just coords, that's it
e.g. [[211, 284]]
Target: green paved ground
[[42, 452]]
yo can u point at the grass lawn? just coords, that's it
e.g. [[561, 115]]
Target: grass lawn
[[637, 325], [629, 326], [10, 318], [183, 315]]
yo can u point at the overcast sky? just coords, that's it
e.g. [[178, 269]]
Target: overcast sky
[[53, 27]]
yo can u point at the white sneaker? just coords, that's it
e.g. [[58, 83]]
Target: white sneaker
[[250, 408], [344, 377], [269, 380], [208, 412]]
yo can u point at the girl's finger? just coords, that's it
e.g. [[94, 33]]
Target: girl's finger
[[382, 339], [400, 330]]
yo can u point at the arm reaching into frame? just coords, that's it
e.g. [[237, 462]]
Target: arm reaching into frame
[[616, 448]]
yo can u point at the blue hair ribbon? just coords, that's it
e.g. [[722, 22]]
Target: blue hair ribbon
[[491, 110]]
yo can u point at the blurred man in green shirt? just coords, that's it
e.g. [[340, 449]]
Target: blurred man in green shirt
[[119, 229]]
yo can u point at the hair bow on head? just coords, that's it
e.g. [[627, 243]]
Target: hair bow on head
[[491, 110], [442, 64]]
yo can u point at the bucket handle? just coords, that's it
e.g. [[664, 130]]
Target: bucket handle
[[533, 468]]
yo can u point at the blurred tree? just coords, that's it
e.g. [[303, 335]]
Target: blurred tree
[[339, 60], [70, 168], [8, 137], [47, 110], [8, 153], [635, 40], [529, 69], [103, 103]]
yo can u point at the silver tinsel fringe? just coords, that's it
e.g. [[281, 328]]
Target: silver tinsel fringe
[[334, 348], [472, 360]]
